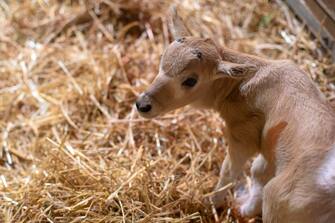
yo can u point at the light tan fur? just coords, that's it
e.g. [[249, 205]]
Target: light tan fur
[[271, 108]]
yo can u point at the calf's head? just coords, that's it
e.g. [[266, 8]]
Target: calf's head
[[187, 70]]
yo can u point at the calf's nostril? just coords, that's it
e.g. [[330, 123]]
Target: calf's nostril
[[137, 105], [145, 108]]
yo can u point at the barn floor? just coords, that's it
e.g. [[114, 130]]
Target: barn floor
[[73, 149]]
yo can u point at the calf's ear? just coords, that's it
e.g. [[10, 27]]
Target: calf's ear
[[234, 70], [177, 25]]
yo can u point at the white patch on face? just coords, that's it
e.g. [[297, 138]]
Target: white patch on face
[[326, 175]]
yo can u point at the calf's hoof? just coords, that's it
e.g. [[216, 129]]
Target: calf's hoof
[[218, 199]]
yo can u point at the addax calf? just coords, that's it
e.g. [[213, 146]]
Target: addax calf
[[271, 108]]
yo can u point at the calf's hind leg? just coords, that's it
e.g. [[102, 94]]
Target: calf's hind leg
[[273, 201], [285, 199]]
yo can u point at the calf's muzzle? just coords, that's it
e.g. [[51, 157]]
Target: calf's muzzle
[[143, 104]]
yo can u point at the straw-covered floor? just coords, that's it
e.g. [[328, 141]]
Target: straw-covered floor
[[73, 148]]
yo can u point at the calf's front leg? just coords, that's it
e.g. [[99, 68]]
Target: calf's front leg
[[231, 168], [261, 172]]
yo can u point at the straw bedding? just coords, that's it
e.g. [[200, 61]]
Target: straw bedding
[[73, 148]]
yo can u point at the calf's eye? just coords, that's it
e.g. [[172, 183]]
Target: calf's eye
[[190, 82]]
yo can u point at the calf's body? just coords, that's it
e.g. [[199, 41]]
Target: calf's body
[[271, 109], [280, 115]]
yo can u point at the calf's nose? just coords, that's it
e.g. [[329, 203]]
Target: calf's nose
[[143, 106]]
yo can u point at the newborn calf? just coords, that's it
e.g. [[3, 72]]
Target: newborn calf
[[271, 108]]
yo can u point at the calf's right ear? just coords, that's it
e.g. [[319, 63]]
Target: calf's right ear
[[234, 70]]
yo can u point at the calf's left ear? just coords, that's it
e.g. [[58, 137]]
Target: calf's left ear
[[177, 25], [234, 70]]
